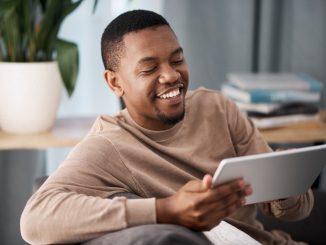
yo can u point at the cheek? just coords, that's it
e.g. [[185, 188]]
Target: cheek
[[141, 93], [185, 75], [184, 72]]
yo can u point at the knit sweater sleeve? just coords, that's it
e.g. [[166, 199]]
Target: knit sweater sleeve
[[73, 205], [290, 209], [247, 140]]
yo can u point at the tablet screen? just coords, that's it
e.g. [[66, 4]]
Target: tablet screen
[[274, 175]]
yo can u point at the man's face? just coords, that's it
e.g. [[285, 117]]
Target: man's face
[[153, 75]]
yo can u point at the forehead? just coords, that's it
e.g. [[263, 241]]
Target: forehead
[[151, 42]]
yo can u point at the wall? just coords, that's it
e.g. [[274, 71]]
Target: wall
[[216, 37]]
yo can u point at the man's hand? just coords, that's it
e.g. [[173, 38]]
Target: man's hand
[[199, 207]]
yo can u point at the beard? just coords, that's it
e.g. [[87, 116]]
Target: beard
[[170, 120]]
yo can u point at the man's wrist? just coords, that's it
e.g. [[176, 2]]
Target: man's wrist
[[163, 213]]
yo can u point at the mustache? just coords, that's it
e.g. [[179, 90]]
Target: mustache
[[163, 88]]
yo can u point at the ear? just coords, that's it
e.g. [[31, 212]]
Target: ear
[[113, 81]]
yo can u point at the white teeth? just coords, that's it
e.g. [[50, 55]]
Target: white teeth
[[171, 94]]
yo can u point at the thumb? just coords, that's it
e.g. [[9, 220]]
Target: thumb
[[199, 185], [207, 181]]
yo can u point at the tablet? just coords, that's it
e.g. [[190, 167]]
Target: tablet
[[274, 175]]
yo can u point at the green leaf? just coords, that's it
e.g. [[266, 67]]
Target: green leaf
[[67, 56], [9, 31], [7, 7], [54, 14], [70, 6], [27, 17], [12, 38]]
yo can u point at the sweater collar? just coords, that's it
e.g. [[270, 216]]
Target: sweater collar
[[158, 136]]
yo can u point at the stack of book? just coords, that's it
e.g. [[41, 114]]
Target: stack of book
[[275, 99]]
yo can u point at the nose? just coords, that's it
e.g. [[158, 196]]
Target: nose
[[169, 75]]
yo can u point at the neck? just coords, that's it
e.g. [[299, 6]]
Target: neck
[[150, 123]]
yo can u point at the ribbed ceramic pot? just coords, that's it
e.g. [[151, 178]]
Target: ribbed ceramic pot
[[29, 96]]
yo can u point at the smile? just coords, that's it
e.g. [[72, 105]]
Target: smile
[[170, 94]]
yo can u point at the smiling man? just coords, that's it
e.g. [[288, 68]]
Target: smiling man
[[143, 176], [151, 75]]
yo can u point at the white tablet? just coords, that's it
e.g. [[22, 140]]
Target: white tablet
[[274, 175]]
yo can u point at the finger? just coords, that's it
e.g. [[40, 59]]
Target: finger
[[215, 195], [199, 185], [194, 186], [207, 181], [213, 212], [233, 199], [221, 191], [228, 210], [248, 190]]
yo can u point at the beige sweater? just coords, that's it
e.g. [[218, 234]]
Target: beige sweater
[[120, 156]]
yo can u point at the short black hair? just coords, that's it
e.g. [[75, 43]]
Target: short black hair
[[112, 38]]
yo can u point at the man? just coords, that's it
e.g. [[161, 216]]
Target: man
[[164, 148]]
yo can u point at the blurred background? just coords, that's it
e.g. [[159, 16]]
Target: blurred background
[[218, 37]]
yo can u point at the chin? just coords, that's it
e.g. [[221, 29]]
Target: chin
[[171, 119]]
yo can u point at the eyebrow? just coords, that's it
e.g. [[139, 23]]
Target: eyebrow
[[178, 50], [149, 59]]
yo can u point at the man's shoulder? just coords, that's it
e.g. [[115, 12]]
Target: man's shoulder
[[106, 124], [105, 132]]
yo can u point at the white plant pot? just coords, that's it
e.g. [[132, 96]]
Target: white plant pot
[[29, 96]]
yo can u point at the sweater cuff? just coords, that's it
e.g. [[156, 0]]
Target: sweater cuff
[[141, 211], [281, 207], [287, 203]]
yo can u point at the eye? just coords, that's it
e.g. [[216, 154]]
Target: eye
[[149, 70], [177, 62]]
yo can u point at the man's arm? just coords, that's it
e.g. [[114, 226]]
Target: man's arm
[[72, 205], [247, 140]]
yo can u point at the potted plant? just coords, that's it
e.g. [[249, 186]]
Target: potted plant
[[34, 63]]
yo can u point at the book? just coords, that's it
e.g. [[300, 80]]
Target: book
[[270, 96], [275, 81], [264, 108], [288, 109], [277, 108], [227, 234], [279, 121]]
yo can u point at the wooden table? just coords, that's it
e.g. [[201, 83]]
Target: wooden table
[[67, 132], [299, 133]]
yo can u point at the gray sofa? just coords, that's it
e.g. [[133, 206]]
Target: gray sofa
[[311, 230]]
